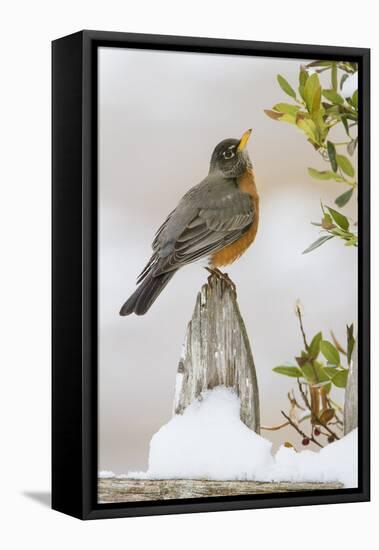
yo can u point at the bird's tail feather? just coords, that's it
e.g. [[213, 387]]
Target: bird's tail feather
[[146, 294]]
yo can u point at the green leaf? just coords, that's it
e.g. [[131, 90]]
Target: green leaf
[[286, 108], [330, 371], [327, 222], [285, 86], [351, 147], [343, 80], [330, 352], [345, 125], [334, 110], [340, 379], [309, 373], [345, 165], [316, 101], [351, 241], [343, 199], [312, 93], [303, 77], [320, 175], [273, 114], [319, 71], [320, 64], [324, 175], [322, 128], [314, 347], [333, 97], [350, 342], [345, 235], [317, 243], [302, 359], [354, 99], [288, 118], [334, 77], [319, 369], [308, 127], [339, 218], [294, 372], [332, 155], [348, 66]]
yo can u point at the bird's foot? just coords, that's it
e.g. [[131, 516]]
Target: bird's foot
[[214, 271]]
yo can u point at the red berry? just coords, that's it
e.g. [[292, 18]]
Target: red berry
[[317, 431], [305, 441]]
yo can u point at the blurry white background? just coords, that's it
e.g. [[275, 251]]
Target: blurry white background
[[160, 116]]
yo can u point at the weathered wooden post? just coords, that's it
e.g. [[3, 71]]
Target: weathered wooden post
[[217, 352], [351, 394]]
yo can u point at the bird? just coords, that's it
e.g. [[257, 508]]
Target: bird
[[216, 220]]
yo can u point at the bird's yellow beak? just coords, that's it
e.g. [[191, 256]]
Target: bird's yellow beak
[[243, 141]]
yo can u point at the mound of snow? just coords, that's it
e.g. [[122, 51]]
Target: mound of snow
[[335, 462], [209, 441]]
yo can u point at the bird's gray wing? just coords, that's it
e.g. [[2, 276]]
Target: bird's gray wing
[[209, 217]]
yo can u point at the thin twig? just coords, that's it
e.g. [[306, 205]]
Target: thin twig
[[332, 433], [294, 401], [273, 428], [280, 426], [302, 327], [337, 423], [337, 344], [335, 405], [338, 419], [311, 438], [306, 401], [304, 395]]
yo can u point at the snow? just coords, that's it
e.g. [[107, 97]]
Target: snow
[[209, 441], [337, 461], [105, 474], [135, 475]]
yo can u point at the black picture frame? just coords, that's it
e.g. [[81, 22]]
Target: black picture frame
[[74, 332]]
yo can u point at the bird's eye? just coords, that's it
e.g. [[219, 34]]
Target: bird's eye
[[228, 154]]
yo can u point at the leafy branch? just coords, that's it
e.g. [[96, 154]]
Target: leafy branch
[[319, 367], [315, 111], [333, 224]]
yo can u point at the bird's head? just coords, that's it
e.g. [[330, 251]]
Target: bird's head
[[230, 157]]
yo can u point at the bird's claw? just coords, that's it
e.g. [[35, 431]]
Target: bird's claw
[[214, 271]]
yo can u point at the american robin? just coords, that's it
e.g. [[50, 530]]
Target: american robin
[[217, 219]]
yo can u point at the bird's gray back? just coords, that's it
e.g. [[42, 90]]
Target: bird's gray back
[[215, 194]]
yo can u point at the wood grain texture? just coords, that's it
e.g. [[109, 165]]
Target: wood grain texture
[[134, 490], [351, 395], [217, 352]]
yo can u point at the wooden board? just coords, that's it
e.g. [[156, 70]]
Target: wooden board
[[134, 490]]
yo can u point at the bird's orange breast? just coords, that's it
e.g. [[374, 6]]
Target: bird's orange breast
[[233, 251]]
